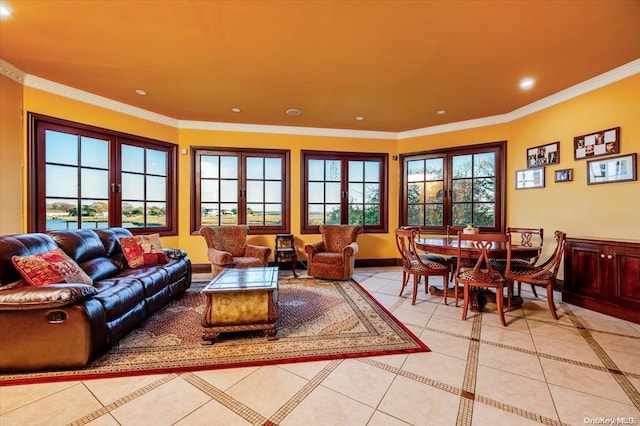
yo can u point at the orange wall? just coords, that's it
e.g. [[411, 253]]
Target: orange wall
[[12, 155], [598, 210]]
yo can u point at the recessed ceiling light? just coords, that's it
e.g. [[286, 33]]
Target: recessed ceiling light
[[527, 83], [440, 112], [141, 92], [359, 118], [4, 11], [235, 109], [293, 112]]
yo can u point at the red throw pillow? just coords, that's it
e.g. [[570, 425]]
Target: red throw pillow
[[52, 267], [143, 250]]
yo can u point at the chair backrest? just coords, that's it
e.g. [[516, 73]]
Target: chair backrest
[[529, 237], [337, 237], [481, 245], [229, 238], [452, 231], [553, 262], [404, 239]]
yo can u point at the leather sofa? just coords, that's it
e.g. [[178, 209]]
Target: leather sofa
[[58, 326]]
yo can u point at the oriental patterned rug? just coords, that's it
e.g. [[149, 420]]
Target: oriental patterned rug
[[319, 320]]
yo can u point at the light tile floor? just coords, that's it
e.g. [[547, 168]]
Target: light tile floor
[[582, 369]]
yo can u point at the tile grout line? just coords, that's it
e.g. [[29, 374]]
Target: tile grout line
[[619, 376], [467, 396]]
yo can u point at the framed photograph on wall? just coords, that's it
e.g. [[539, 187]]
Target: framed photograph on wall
[[543, 155], [604, 142], [612, 169], [564, 175], [530, 178]]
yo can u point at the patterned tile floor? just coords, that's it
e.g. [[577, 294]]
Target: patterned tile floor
[[582, 369]]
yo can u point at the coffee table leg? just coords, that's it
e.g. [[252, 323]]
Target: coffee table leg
[[271, 334], [210, 336]]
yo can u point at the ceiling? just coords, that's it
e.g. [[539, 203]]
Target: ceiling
[[395, 63]]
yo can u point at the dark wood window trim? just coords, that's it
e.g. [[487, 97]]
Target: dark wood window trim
[[345, 157], [242, 153], [499, 148], [36, 213]]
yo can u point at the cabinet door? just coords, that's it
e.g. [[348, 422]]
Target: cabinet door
[[625, 276], [586, 269]]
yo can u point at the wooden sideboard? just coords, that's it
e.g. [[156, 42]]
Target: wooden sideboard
[[604, 276]]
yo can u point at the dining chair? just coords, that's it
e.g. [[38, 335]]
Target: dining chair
[[418, 265], [543, 275], [482, 275], [528, 237]]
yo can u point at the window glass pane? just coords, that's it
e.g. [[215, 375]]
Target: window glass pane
[[273, 214], [484, 214], [61, 148], [316, 192], [461, 214], [210, 215], [484, 189], [95, 183], [156, 188], [209, 191], [273, 192], [462, 190], [415, 170], [484, 164], [94, 214], [255, 192], [332, 216], [372, 214], [415, 192], [132, 186], [61, 181], [156, 214], [372, 171], [315, 214], [255, 168], [356, 193], [434, 169], [315, 170], [356, 171], [332, 192], [255, 214], [132, 159], [372, 193], [229, 214], [156, 162], [61, 214], [434, 192], [333, 172], [416, 214], [462, 166], [433, 215], [94, 152], [229, 191], [132, 214], [209, 166], [273, 168], [228, 167], [356, 214]]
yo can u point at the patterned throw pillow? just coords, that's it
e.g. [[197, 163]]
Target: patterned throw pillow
[[52, 267], [143, 250]]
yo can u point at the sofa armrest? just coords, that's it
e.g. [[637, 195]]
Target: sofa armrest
[[175, 253], [350, 250], [219, 257], [313, 248], [44, 297], [261, 252]]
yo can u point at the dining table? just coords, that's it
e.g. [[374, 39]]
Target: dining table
[[448, 247]]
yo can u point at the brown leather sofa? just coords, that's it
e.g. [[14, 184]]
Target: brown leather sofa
[[67, 325]]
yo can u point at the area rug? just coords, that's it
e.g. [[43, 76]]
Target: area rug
[[319, 320]]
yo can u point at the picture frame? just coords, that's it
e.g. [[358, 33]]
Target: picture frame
[[563, 175], [543, 155], [622, 168], [530, 178], [603, 142]]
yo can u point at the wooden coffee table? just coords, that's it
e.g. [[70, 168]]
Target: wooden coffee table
[[241, 299]]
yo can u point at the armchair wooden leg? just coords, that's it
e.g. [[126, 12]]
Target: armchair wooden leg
[[552, 306]]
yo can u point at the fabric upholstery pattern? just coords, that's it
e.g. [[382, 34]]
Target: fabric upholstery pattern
[[143, 250], [227, 247], [51, 267], [334, 257]]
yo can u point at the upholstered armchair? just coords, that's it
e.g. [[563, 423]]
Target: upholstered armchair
[[334, 257], [228, 248]]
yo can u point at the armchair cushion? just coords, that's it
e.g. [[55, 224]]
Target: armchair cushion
[[337, 237]]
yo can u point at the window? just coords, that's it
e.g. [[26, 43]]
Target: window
[[344, 188], [241, 186], [454, 187], [85, 177]]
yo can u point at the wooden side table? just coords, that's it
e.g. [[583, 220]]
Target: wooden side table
[[285, 251]]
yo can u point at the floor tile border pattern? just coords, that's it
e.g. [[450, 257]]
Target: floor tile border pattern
[[465, 408]]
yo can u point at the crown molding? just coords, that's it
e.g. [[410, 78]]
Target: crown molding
[[12, 72], [617, 74], [285, 130], [96, 100]]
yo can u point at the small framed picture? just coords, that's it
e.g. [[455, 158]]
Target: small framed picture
[[543, 155], [612, 169], [604, 142], [564, 175], [530, 178]]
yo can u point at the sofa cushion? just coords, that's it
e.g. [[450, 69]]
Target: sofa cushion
[[44, 297], [80, 244], [143, 250], [51, 267]]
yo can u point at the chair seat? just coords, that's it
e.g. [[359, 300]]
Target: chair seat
[[329, 258], [481, 277], [520, 272], [428, 266], [501, 264]]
